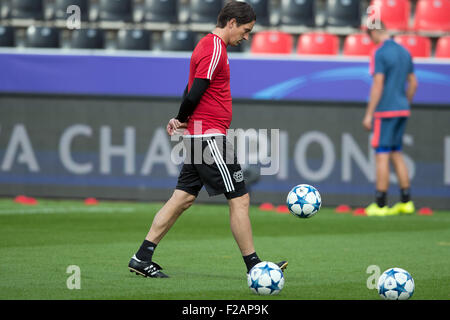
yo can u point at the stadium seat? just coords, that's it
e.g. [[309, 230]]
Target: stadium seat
[[115, 10], [87, 39], [318, 43], [272, 42], [432, 15], [161, 11], [204, 11], [443, 47], [298, 13], [62, 5], [343, 13], [42, 37], [134, 39], [261, 8], [178, 40], [27, 9], [358, 45], [418, 46], [395, 14], [7, 37]]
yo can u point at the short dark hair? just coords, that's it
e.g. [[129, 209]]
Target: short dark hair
[[379, 26], [239, 10]]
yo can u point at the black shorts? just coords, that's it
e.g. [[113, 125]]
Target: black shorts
[[212, 162]]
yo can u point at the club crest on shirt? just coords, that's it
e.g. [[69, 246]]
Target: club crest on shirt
[[238, 176]]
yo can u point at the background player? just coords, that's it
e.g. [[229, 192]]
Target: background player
[[205, 114], [386, 115]]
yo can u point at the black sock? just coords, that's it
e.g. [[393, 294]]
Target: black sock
[[380, 198], [405, 195], [145, 252], [251, 260]]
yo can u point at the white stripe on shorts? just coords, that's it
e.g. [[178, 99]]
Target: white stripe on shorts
[[227, 172], [221, 165]]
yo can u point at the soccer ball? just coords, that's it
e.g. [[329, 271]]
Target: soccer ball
[[395, 284], [304, 201], [265, 278]]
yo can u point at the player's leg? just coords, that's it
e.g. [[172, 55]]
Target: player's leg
[[379, 207], [396, 156], [240, 224], [381, 143], [168, 214], [401, 169], [241, 228], [405, 205], [187, 189], [141, 263], [222, 174], [382, 172]]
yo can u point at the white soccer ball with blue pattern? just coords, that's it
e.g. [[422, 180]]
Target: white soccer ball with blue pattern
[[395, 284], [304, 201], [265, 278]]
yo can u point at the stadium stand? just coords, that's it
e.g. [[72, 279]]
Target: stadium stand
[[134, 39], [272, 42], [432, 15], [320, 43], [358, 45], [161, 11], [342, 18], [115, 10], [418, 46], [395, 14], [262, 11], [443, 47], [7, 38], [87, 39], [204, 11], [343, 13], [298, 13], [27, 9], [178, 40], [42, 37], [60, 9]]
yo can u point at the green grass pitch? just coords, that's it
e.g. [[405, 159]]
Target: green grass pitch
[[328, 254]]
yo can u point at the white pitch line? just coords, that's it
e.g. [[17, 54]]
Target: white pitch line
[[62, 210]]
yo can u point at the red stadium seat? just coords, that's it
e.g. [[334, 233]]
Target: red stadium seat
[[318, 43], [394, 13], [432, 15], [418, 46], [358, 44], [443, 47], [275, 42]]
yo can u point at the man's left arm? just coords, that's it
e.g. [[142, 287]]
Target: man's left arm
[[191, 99]]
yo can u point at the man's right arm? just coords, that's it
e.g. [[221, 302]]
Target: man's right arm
[[412, 87]]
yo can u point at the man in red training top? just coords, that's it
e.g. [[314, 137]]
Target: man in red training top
[[205, 115]]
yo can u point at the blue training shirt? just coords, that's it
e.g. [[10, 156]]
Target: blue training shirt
[[395, 62]]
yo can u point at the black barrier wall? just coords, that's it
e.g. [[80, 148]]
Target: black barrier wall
[[117, 148]]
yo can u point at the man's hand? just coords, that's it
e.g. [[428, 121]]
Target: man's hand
[[367, 122], [174, 126]]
